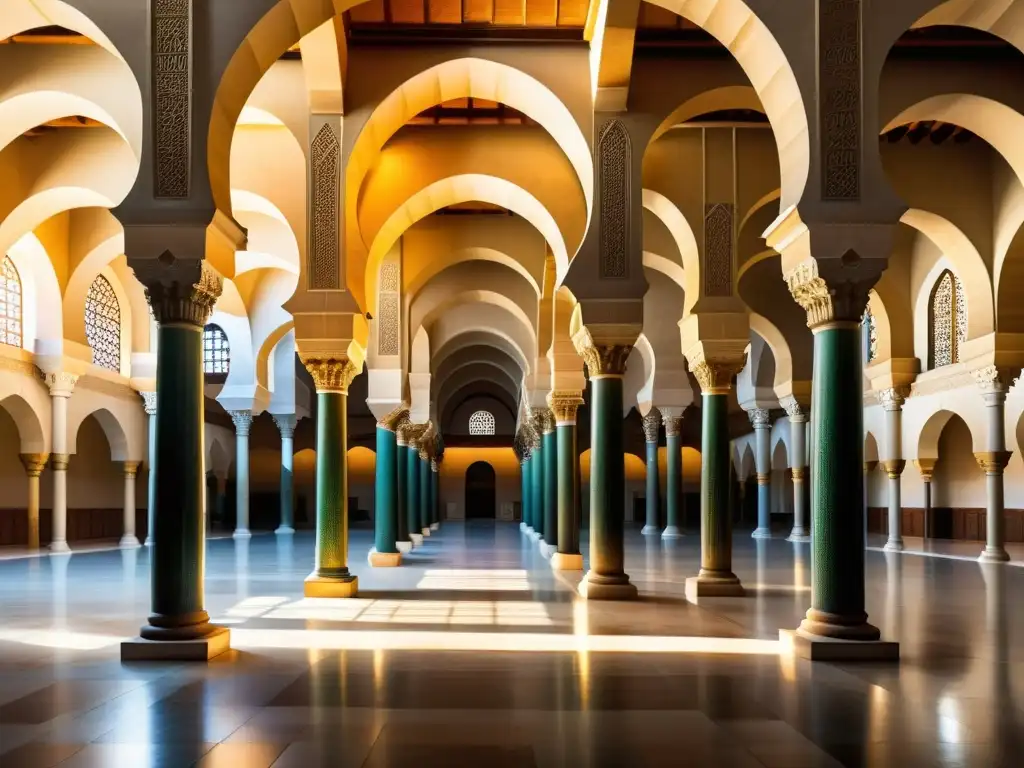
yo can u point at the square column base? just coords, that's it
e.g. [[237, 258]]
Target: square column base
[[403, 546], [547, 550], [318, 586], [535, 535], [417, 539], [650, 530], [818, 648], [560, 562], [434, 526], [595, 591], [426, 532], [698, 587], [200, 649], [384, 559]]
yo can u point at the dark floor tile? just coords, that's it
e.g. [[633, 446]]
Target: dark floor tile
[[36, 755]]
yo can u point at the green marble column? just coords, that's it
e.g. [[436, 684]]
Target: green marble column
[[424, 473], [435, 497], [525, 493], [286, 425], [331, 576], [652, 423], [403, 542], [550, 485], [385, 515], [607, 579], [412, 493], [837, 488], [564, 405], [673, 478], [537, 489]]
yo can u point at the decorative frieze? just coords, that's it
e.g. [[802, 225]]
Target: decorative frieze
[[718, 247], [172, 97], [839, 96], [325, 174], [614, 185], [331, 374]]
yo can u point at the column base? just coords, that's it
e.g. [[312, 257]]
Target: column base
[[426, 532], [893, 545], [128, 541], [594, 587], [672, 532], [417, 539], [384, 559], [322, 586], [59, 548], [799, 535], [149, 541], [563, 562], [650, 530], [403, 546], [202, 648], [284, 530], [994, 555], [241, 533], [818, 648], [547, 550], [523, 527], [725, 585], [535, 535], [761, 533], [435, 526]]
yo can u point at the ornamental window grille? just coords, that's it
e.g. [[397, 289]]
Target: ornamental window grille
[[947, 313], [481, 423], [10, 304], [871, 329], [103, 324], [216, 350]]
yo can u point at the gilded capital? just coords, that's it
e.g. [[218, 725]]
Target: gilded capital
[[797, 474], [894, 467], [131, 469], [843, 302], [333, 374], [34, 463], [926, 467], [392, 420], [59, 462], [993, 462], [652, 425], [179, 290], [564, 405], [764, 478], [715, 376], [601, 359]]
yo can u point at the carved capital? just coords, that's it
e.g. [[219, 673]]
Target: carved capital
[[673, 425], [764, 478], [795, 411], [59, 462], [843, 302], [991, 380], [60, 384], [410, 434], [543, 421], [131, 469], [892, 399], [926, 467], [149, 402], [392, 420], [285, 424], [894, 467], [993, 462], [242, 421], [34, 463], [333, 374], [652, 424], [601, 359], [760, 418], [564, 405], [869, 466], [179, 290], [715, 376], [797, 473]]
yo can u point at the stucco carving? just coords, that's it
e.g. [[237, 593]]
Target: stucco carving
[[172, 97], [325, 154], [242, 421], [652, 425], [993, 462], [331, 374], [60, 384], [892, 399], [285, 424], [388, 321], [389, 277], [839, 79], [824, 303], [149, 402], [715, 376], [614, 151], [759, 417], [392, 420], [673, 425], [179, 290], [794, 410], [718, 244], [990, 379], [564, 405]]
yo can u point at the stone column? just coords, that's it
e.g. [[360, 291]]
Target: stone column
[[286, 426], [564, 406], [550, 452], [385, 514], [760, 419], [34, 464], [715, 578], [243, 423], [435, 498], [182, 297], [927, 469], [892, 401], [673, 476], [524, 487], [537, 485], [128, 538], [402, 541], [607, 578], [424, 475], [652, 525], [993, 461], [149, 401], [61, 386], [331, 576], [412, 493], [797, 461]]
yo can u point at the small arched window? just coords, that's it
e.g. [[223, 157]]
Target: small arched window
[[103, 324], [216, 351], [481, 423], [947, 314], [10, 304]]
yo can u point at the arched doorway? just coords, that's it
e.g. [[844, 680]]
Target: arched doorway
[[480, 492]]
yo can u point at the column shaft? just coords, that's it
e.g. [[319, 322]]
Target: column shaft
[[892, 402], [424, 476], [128, 538], [673, 483], [385, 516], [34, 464], [412, 494], [59, 467], [550, 489], [994, 462], [797, 433], [715, 523], [286, 426], [243, 422], [331, 569], [653, 491], [537, 490], [150, 400], [435, 499], [404, 543], [568, 462], [928, 509], [762, 457], [527, 492]]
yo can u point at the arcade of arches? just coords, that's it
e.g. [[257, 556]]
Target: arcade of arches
[[616, 271]]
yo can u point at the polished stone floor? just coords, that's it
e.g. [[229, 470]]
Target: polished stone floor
[[476, 654]]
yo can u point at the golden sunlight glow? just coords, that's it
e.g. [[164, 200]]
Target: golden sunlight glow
[[474, 580]]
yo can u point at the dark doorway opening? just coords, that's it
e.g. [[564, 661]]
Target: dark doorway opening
[[480, 492]]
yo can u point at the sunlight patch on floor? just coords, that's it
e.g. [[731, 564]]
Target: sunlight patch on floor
[[476, 580]]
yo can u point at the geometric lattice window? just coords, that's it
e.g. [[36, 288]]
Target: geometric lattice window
[[10, 304], [481, 423], [947, 318], [216, 351], [868, 323], [103, 324]]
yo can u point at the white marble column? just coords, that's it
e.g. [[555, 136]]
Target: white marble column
[[927, 469], [994, 460], [149, 399], [243, 423], [760, 418], [797, 462], [128, 538], [286, 426], [61, 386], [892, 402], [34, 464]]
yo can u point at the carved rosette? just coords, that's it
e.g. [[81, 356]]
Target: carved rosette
[[149, 402], [892, 399], [179, 291], [131, 469], [393, 419], [332, 374], [715, 376], [242, 421], [34, 463], [894, 467], [285, 424], [993, 462], [652, 425], [760, 418], [673, 426], [564, 406]]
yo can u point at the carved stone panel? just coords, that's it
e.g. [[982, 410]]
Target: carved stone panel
[[172, 97], [324, 268], [614, 152], [718, 239], [389, 310], [839, 94]]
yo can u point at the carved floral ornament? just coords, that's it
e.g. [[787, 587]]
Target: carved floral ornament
[[715, 376], [179, 290], [395, 418], [759, 417], [652, 425], [564, 406], [795, 411], [843, 302], [892, 399], [331, 374], [601, 359], [673, 426]]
